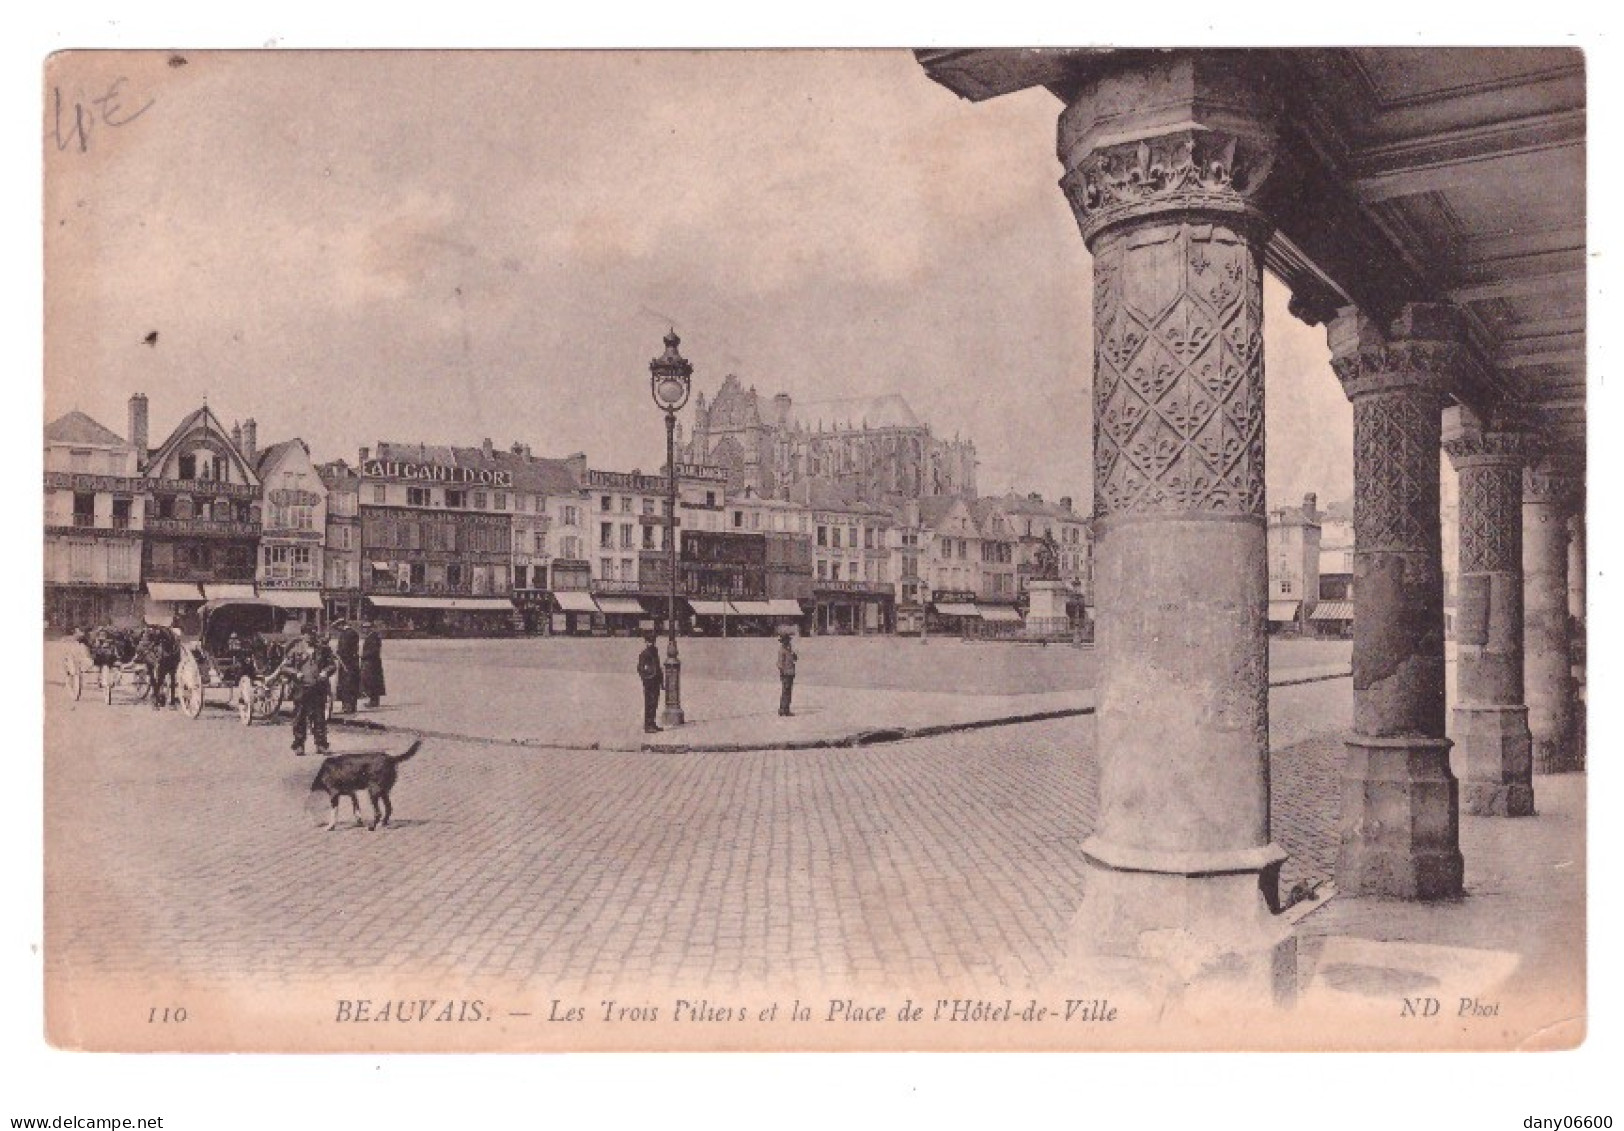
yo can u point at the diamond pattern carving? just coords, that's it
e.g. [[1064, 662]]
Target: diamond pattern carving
[[1491, 519], [1178, 371], [1395, 470]]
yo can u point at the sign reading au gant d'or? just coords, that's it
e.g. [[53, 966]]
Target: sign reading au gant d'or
[[434, 473]]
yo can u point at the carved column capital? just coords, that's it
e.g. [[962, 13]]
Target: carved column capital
[[1191, 170], [1552, 480], [1498, 439], [1424, 348], [1185, 132]]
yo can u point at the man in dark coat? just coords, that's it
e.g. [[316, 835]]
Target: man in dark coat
[[309, 664], [648, 670], [349, 666], [786, 674], [371, 664]]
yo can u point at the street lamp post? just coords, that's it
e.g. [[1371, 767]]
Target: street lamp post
[[670, 378]]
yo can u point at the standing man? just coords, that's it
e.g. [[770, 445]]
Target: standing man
[[786, 674], [309, 664], [648, 670], [371, 664], [349, 666]]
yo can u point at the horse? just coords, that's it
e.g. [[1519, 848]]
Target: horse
[[159, 652], [109, 647]]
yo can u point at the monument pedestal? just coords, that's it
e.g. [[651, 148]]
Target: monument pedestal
[[1046, 609]]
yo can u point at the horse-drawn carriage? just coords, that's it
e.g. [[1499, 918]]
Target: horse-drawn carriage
[[239, 647], [110, 653]]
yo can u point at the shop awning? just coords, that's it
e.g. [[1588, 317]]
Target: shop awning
[[465, 604], [1280, 612], [753, 608], [175, 591], [710, 608], [293, 598], [1332, 610], [783, 607], [621, 606], [220, 590], [999, 612], [956, 609], [575, 601]]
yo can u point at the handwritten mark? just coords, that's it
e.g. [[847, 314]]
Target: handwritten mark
[[177, 60], [75, 123], [151, 339]]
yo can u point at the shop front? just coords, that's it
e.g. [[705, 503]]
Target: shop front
[[852, 608], [999, 619], [575, 613], [175, 604], [441, 616], [304, 606], [768, 618], [952, 613]]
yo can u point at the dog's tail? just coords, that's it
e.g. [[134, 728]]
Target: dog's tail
[[408, 752]]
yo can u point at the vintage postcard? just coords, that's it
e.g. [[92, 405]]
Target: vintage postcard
[[1062, 549]]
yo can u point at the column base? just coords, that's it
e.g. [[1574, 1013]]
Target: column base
[[1496, 749], [1400, 820], [1194, 927]]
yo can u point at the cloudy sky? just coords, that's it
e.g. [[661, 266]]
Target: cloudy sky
[[416, 246]]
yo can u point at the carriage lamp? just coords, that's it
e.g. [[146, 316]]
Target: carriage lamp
[[670, 379]]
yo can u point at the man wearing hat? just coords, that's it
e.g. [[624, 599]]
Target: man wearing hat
[[648, 670], [786, 673], [309, 664], [348, 651]]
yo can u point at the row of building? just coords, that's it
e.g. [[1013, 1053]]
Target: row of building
[[838, 526], [1311, 569]]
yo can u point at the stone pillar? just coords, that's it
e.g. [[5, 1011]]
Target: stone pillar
[[1490, 726], [1576, 567], [1400, 811], [1549, 489], [1160, 181], [1578, 629]]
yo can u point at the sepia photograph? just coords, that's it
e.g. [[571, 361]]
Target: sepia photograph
[[950, 549]]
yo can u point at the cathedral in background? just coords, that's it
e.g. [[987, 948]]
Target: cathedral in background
[[873, 449]]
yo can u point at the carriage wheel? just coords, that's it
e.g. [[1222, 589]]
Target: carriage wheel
[[189, 686], [107, 687], [245, 700], [76, 676], [142, 688]]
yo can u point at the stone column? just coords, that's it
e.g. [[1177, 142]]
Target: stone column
[[1576, 567], [1490, 726], [1549, 489], [1400, 812], [1160, 163]]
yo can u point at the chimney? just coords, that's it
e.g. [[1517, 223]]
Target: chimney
[[250, 441], [517, 449], [576, 462], [366, 454], [781, 406], [1033, 496], [138, 429], [1310, 502], [1065, 503], [488, 448], [236, 435]]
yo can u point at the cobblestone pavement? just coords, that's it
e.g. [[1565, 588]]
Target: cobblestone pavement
[[191, 850]]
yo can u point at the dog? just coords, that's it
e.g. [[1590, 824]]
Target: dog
[[345, 775]]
